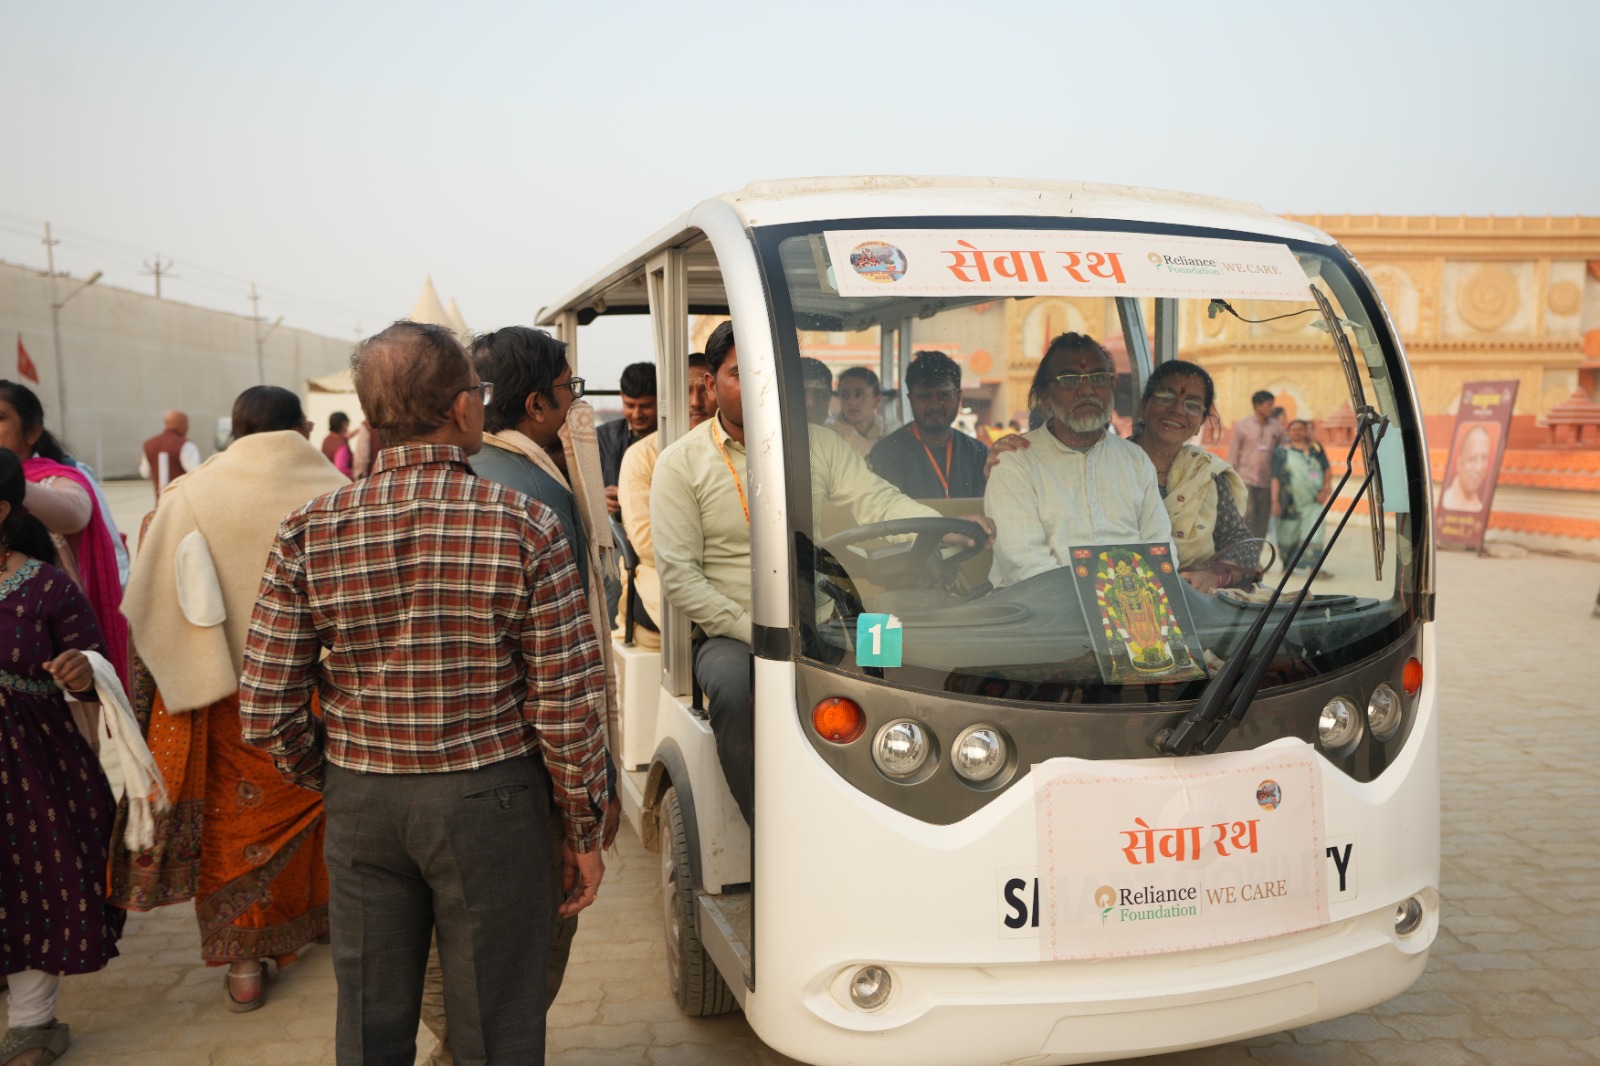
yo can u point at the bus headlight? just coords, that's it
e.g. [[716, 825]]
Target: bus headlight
[[1383, 712], [870, 987], [1339, 725], [901, 747], [1408, 916], [978, 753]]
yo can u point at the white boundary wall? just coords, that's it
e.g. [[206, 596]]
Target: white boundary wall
[[130, 357]]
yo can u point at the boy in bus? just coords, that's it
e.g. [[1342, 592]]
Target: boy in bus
[[1075, 483], [700, 520], [859, 421], [929, 458]]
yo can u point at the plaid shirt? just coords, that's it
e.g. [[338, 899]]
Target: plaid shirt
[[455, 629]]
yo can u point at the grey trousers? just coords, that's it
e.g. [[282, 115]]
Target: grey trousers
[[723, 665], [563, 930], [457, 853]]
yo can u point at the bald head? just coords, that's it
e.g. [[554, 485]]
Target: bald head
[[409, 378], [177, 422]]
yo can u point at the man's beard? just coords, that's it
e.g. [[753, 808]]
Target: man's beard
[[1084, 422]]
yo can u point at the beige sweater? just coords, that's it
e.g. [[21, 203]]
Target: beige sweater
[[195, 579]]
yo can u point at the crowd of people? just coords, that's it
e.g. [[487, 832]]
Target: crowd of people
[[374, 673]]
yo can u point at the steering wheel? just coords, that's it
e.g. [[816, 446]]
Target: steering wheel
[[916, 566]]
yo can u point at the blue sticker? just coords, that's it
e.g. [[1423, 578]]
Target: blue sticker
[[878, 640]]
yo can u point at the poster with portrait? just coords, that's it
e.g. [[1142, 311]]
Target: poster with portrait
[[1470, 473], [1133, 599]]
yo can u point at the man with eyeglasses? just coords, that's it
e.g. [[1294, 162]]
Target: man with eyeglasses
[[439, 617], [929, 459], [1071, 481]]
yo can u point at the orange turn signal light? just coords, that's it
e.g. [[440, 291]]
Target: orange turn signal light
[[1411, 676], [838, 720]]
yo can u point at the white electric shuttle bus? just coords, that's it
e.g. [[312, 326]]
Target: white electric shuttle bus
[[1080, 815]]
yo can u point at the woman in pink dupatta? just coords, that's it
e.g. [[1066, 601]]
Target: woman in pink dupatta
[[60, 496]]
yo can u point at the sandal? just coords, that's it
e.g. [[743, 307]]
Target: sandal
[[238, 1006], [53, 1039]]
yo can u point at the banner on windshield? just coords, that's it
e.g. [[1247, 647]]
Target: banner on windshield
[[953, 262], [1470, 474]]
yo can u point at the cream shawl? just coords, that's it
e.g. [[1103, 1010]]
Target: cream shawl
[[589, 501], [199, 565], [1192, 501]]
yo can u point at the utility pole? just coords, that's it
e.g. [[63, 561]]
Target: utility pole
[[261, 335], [159, 270], [56, 303]]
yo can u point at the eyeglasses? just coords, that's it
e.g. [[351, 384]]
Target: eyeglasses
[[1168, 399], [485, 387], [1099, 379], [575, 384]]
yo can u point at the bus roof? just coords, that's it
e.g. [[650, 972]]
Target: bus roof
[[620, 287]]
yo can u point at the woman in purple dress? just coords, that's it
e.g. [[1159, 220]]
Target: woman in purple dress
[[54, 917]]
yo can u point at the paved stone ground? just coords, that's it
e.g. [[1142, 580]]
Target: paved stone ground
[[1514, 976]]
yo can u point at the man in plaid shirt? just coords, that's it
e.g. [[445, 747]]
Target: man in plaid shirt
[[439, 621]]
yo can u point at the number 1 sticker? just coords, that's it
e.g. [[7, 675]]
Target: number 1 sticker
[[878, 640]]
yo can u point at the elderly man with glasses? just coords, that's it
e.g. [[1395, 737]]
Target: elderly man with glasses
[[440, 619], [1071, 482]]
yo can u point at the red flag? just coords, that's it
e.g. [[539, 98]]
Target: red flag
[[25, 367]]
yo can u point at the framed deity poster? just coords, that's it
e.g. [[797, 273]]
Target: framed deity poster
[[1132, 598]]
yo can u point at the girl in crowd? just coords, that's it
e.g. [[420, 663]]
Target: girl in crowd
[[1203, 495], [62, 498], [240, 840], [54, 916]]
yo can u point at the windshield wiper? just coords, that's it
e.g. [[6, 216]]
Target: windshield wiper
[[1369, 448], [1226, 698]]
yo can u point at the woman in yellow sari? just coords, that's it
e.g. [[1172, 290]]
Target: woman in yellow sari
[[241, 841], [1204, 496]]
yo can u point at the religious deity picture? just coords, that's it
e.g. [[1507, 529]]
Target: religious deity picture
[[878, 261], [1137, 615]]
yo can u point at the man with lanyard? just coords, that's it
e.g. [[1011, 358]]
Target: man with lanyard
[[700, 520], [928, 458]]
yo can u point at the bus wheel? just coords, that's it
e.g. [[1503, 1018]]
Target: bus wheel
[[696, 984]]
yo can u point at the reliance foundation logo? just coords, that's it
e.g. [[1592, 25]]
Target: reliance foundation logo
[[1146, 904], [1183, 264]]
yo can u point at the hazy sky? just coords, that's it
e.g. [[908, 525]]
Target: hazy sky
[[337, 154]]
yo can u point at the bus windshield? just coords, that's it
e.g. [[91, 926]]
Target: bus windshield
[[1126, 564]]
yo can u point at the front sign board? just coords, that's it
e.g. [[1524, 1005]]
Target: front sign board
[[957, 262], [1151, 856]]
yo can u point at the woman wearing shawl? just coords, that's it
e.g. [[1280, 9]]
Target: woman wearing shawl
[[241, 841], [54, 916], [1203, 494], [61, 496], [1299, 471]]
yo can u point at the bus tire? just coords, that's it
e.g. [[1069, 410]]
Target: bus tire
[[696, 985]]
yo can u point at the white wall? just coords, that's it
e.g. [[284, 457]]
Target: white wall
[[129, 357]]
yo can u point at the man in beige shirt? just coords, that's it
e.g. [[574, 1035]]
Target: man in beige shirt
[[633, 495], [699, 510]]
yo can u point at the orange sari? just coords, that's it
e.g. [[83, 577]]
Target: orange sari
[[242, 842]]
